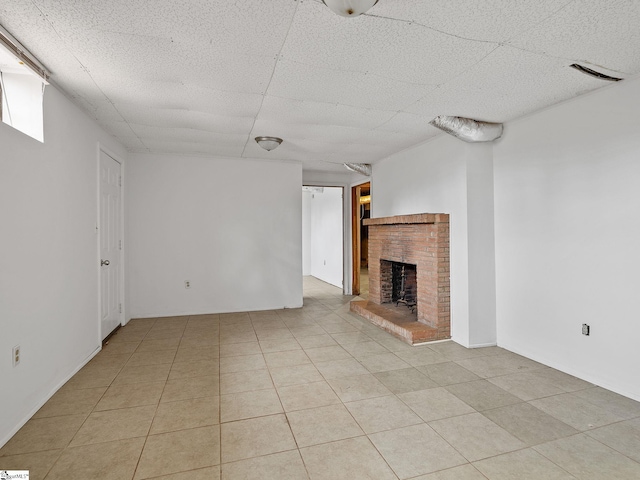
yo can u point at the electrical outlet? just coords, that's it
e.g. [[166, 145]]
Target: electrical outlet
[[16, 355], [585, 329], [187, 284]]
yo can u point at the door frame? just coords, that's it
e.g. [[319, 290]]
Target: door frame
[[355, 236], [122, 315]]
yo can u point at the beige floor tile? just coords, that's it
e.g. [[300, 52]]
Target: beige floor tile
[[158, 344], [112, 425], [244, 363], [202, 341], [256, 437], [152, 358], [383, 362], [415, 450], [463, 472], [565, 381], [271, 323], [278, 466], [476, 437], [358, 387], [322, 425], [361, 350], [40, 434], [71, 402], [295, 375], [346, 336], [120, 348], [529, 424], [245, 381], [158, 333], [575, 411], [347, 367], [239, 406], [316, 341], [405, 380], [123, 396], [612, 402], [38, 463], [482, 395], [92, 378], [623, 437], [382, 413], [523, 465], [350, 459], [194, 387], [286, 359], [188, 354], [237, 336], [184, 414], [420, 356], [326, 354], [114, 361], [96, 462], [269, 346], [131, 375], [198, 368], [447, 373], [207, 473], [274, 334], [307, 395], [496, 365], [307, 331], [589, 459], [454, 351], [179, 451], [435, 404], [527, 385], [239, 349]]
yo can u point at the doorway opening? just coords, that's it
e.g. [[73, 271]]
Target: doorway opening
[[322, 234], [360, 210]]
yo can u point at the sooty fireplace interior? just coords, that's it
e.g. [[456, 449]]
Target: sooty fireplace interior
[[399, 283]]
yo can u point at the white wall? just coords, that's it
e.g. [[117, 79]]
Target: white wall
[[446, 175], [567, 217], [231, 227], [49, 256], [325, 235], [306, 233]]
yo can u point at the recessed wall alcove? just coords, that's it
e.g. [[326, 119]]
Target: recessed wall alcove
[[420, 240]]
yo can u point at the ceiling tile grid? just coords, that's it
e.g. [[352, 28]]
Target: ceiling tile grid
[[204, 77]]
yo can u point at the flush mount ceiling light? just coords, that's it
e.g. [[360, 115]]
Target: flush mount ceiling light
[[593, 73], [349, 8], [468, 129], [361, 168], [268, 143]]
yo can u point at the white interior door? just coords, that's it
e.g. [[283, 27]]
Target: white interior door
[[110, 244]]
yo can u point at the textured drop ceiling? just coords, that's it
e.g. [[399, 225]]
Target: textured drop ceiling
[[207, 76]]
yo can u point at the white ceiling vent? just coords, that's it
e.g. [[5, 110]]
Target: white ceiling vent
[[593, 73], [468, 129]]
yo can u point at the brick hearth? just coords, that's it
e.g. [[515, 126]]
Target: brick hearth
[[421, 240]]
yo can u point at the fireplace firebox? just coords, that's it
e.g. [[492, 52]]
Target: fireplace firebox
[[409, 292]]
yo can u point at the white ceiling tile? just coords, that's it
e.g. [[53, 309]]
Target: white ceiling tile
[[305, 82], [203, 77], [486, 20]]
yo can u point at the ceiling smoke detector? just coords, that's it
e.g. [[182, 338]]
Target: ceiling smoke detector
[[593, 73], [268, 143], [349, 8]]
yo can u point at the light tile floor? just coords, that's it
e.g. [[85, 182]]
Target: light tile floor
[[318, 393]]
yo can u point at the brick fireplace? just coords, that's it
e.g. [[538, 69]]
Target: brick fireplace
[[419, 245]]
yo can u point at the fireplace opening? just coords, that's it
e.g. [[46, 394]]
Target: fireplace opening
[[399, 283]]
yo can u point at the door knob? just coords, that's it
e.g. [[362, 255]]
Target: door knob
[[104, 262]]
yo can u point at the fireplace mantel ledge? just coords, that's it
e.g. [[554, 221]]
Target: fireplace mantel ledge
[[409, 219]]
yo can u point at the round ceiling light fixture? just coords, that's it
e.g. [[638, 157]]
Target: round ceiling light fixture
[[268, 143], [349, 8]]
